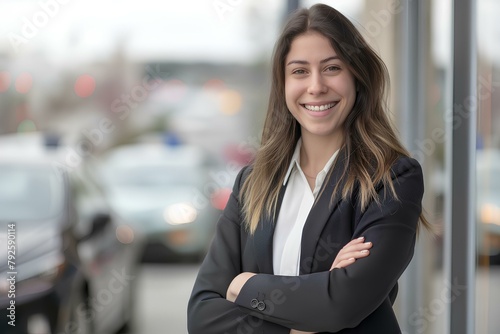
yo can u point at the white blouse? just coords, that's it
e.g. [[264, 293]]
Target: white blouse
[[297, 203]]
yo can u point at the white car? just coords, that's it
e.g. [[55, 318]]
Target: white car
[[165, 193]]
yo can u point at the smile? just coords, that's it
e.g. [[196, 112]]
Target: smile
[[321, 107]]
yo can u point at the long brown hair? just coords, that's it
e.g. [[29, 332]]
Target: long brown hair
[[371, 145]]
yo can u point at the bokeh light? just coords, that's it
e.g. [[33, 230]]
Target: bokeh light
[[220, 198], [125, 234], [214, 84], [175, 90], [84, 85], [24, 82], [26, 126], [230, 102]]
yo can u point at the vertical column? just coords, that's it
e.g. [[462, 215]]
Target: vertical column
[[416, 284], [461, 227]]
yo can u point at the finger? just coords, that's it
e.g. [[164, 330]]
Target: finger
[[350, 258], [343, 263], [354, 254], [356, 247], [356, 241]]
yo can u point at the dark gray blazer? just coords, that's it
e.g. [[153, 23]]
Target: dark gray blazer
[[356, 299]]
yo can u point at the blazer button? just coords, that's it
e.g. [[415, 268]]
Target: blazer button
[[254, 303], [261, 306]]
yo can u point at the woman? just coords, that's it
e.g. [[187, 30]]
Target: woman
[[320, 227]]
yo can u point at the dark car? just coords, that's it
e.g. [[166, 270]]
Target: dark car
[[68, 264]]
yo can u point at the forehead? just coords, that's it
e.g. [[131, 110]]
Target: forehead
[[310, 46]]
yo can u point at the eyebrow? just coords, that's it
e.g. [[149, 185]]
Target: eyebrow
[[305, 62]]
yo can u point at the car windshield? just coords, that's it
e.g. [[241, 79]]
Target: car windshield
[[29, 193]]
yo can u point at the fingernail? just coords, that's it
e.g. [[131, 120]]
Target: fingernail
[[368, 243], [361, 238], [352, 259], [364, 251]]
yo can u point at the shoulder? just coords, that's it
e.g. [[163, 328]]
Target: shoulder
[[405, 166], [241, 178], [243, 175]]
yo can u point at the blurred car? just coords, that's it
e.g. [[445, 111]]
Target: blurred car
[[74, 261], [488, 204], [165, 192]]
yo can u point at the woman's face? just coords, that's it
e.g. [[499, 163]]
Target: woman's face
[[319, 88]]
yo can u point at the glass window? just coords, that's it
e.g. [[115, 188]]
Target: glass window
[[488, 168]]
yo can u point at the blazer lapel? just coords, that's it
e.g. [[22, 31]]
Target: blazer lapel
[[263, 238], [319, 214]]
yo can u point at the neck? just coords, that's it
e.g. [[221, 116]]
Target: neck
[[315, 153]]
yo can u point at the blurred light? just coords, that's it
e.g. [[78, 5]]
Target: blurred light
[[179, 237], [171, 139], [220, 198], [125, 234], [4, 81], [236, 153], [38, 323], [24, 82], [214, 84], [84, 85], [490, 214], [180, 213], [230, 102], [174, 90], [26, 126]]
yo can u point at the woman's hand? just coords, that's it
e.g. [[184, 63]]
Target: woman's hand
[[354, 250], [235, 287], [294, 331]]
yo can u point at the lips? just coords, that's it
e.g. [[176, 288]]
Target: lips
[[320, 107]]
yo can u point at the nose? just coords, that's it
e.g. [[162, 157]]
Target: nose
[[316, 85]]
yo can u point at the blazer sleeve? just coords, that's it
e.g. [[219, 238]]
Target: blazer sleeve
[[334, 300], [208, 310]]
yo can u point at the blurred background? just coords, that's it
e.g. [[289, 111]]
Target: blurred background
[[124, 123]]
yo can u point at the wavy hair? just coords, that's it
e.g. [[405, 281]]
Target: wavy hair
[[370, 146]]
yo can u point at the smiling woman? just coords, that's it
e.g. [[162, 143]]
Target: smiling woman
[[322, 224], [320, 90]]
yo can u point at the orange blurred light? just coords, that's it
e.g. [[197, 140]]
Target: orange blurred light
[[125, 234], [24, 82], [490, 214], [230, 101], [179, 237], [214, 84], [4, 81], [84, 85]]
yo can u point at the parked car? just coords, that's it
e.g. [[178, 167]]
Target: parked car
[[488, 204], [73, 260], [166, 193]]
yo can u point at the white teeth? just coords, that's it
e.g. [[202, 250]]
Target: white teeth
[[320, 108]]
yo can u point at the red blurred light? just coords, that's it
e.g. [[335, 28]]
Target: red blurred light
[[84, 85], [220, 198], [214, 84], [24, 82]]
